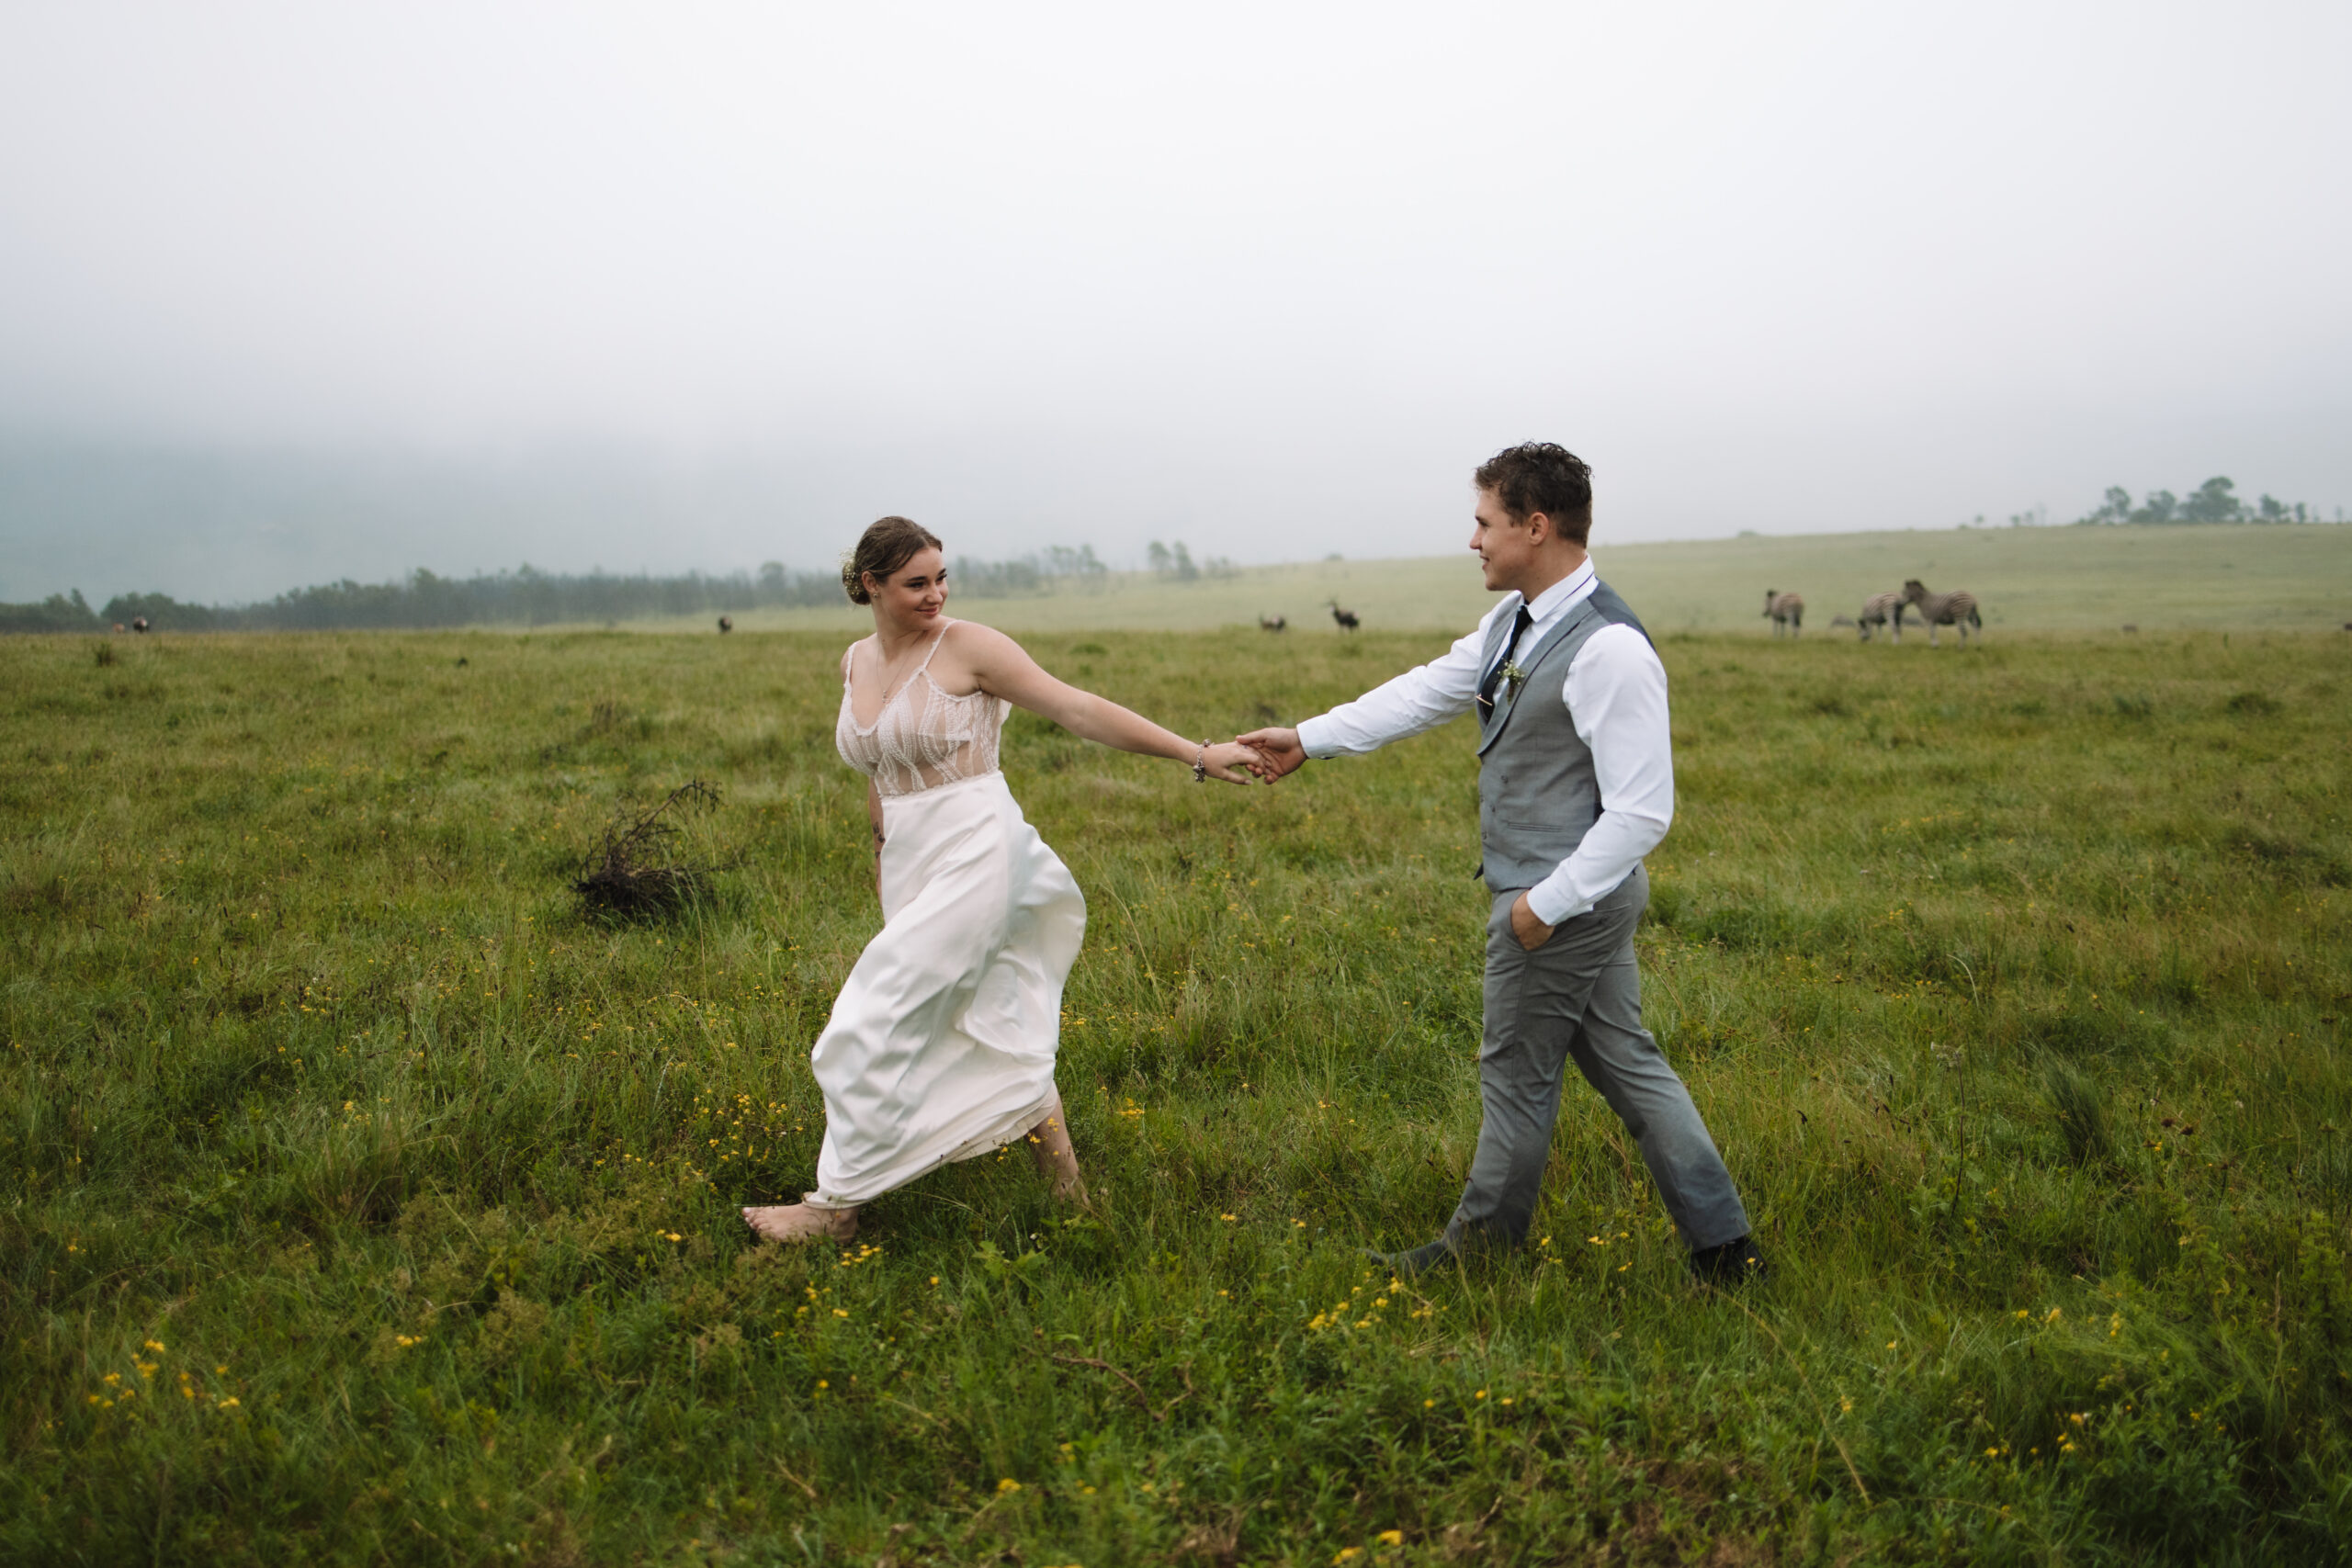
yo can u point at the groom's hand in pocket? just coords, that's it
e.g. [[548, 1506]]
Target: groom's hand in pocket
[[1531, 932]]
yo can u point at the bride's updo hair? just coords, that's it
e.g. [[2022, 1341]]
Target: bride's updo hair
[[890, 544]]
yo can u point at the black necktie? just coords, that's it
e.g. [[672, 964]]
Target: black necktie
[[1494, 677]]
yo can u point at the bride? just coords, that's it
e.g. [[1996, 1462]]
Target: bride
[[941, 1045]]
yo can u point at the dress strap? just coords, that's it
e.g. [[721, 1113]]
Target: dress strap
[[935, 649]]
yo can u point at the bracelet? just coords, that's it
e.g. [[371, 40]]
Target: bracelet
[[1200, 765]]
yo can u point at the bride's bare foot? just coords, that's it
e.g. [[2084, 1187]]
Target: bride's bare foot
[[797, 1224], [1057, 1160]]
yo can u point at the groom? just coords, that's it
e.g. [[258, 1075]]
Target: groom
[[1576, 785]]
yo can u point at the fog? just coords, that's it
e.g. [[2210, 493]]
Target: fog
[[298, 292]]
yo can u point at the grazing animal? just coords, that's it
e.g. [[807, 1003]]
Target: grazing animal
[[2131, 626], [1347, 618], [1837, 621], [1957, 608], [117, 625], [726, 625], [1884, 610], [139, 623], [1786, 610], [1272, 623]]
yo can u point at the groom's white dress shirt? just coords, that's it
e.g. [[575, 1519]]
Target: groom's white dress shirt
[[1616, 698]]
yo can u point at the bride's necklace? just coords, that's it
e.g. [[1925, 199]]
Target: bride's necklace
[[890, 681]]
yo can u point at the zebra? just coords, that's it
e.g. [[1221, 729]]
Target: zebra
[[1272, 623], [1786, 610], [1957, 608], [1347, 618], [1884, 610]]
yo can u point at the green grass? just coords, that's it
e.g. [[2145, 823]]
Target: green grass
[[368, 1205], [2283, 578]]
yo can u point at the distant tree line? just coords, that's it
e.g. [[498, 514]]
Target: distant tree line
[[1027, 576], [530, 597], [1175, 563], [524, 597], [2215, 501], [58, 613]]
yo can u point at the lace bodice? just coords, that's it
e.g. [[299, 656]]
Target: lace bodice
[[923, 737]]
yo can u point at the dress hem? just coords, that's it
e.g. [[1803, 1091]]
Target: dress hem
[[1001, 1135]]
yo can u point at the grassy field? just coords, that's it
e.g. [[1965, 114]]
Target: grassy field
[[368, 1204], [2169, 578]]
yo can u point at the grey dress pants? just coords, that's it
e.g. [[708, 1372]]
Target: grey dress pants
[[1580, 995]]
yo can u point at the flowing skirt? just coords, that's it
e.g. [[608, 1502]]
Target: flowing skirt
[[941, 1045]]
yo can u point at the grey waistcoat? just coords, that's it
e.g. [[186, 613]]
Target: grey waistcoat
[[1537, 792]]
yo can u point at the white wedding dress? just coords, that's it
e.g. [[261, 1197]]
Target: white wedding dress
[[941, 1045]]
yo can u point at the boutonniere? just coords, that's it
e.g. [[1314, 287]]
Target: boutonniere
[[1513, 679]]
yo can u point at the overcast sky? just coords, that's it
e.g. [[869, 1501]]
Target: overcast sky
[[295, 291]]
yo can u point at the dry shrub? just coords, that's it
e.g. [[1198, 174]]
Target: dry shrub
[[625, 876]]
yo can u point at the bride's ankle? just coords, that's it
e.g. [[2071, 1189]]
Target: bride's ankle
[[1046, 1137]]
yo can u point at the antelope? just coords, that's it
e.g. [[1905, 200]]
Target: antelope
[[1957, 608], [1347, 618], [139, 624], [1786, 610], [1272, 623], [726, 625], [1878, 610]]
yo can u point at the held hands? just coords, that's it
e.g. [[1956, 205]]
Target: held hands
[[1233, 762], [1277, 752]]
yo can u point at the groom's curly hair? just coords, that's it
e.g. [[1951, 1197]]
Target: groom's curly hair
[[1542, 476]]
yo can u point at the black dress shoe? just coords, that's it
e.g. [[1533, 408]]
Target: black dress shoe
[[1420, 1260], [1732, 1263]]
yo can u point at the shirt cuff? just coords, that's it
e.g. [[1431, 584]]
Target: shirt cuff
[[1313, 737], [1553, 903]]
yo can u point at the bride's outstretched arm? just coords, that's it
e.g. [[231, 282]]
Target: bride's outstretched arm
[[1003, 669]]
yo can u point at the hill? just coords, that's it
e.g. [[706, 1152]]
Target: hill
[[2277, 578]]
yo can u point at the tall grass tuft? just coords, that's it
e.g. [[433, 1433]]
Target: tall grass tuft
[[2081, 1111]]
